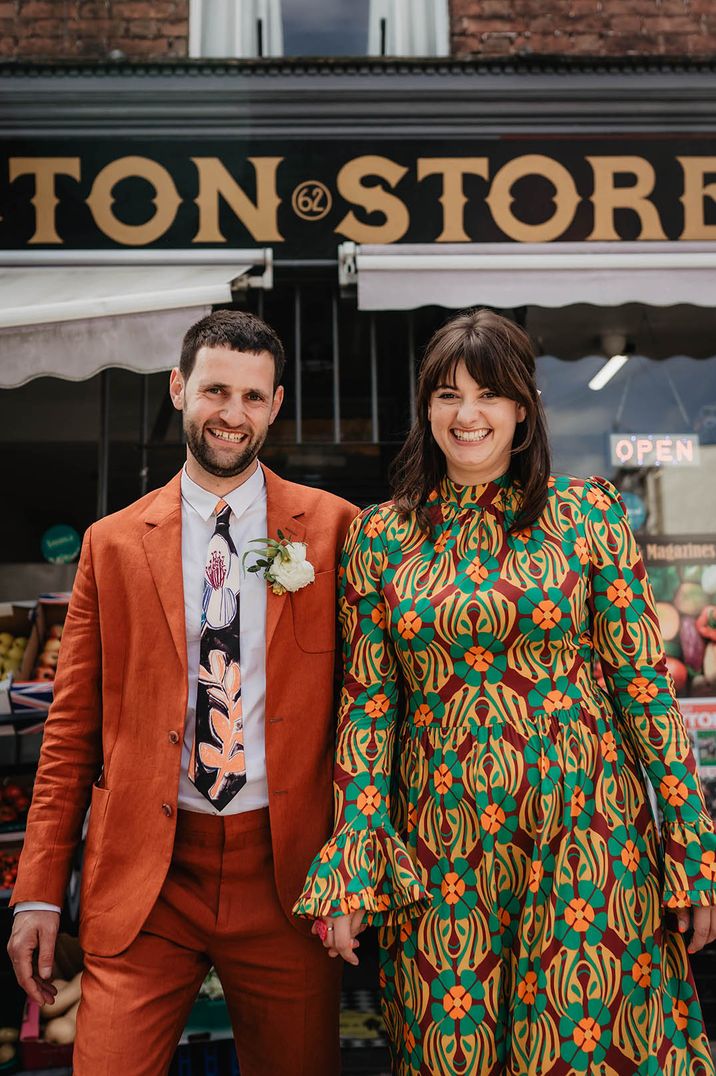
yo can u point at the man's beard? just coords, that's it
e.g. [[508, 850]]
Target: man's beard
[[204, 455]]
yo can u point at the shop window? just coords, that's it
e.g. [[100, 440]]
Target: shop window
[[254, 28]]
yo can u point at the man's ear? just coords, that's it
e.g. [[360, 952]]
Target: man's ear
[[176, 388], [276, 404]]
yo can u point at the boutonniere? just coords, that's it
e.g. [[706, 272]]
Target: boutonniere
[[283, 563]]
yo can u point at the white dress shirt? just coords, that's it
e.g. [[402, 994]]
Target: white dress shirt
[[247, 521]]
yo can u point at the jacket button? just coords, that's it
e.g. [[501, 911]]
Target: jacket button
[[173, 737], [167, 808]]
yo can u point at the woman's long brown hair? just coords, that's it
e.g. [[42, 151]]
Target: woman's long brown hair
[[498, 355]]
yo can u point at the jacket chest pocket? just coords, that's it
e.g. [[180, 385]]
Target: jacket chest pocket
[[314, 613]]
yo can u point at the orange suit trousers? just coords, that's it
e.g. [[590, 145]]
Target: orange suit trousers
[[219, 907]]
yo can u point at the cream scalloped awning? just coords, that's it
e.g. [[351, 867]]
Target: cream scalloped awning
[[72, 314], [505, 275]]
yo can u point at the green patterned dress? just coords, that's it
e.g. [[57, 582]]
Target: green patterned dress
[[491, 810]]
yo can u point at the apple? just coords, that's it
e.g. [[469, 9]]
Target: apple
[[55, 631], [6, 639], [21, 640], [44, 672], [48, 657], [51, 644]]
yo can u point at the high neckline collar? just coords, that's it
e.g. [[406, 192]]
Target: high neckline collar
[[483, 495]]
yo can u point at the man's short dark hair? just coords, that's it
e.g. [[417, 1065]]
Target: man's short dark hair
[[235, 329]]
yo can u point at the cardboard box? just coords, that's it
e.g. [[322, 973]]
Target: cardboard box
[[15, 619], [48, 612]]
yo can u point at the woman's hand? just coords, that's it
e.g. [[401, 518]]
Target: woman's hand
[[338, 934], [704, 920]]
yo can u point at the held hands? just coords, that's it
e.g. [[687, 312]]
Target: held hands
[[704, 922], [31, 949], [338, 934]]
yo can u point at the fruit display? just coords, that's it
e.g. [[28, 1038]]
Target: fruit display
[[14, 805], [686, 608], [8, 868], [46, 663], [12, 651]]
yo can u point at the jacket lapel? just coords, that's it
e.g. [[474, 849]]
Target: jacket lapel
[[162, 545], [284, 511]]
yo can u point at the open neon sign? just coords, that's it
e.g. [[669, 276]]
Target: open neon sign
[[634, 450]]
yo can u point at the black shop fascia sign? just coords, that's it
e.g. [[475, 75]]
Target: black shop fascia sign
[[304, 198]]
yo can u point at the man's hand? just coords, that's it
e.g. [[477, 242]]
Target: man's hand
[[31, 949]]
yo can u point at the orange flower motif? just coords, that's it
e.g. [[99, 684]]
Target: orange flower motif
[[423, 715], [406, 929], [350, 903], [378, 706], [382, 902], [409, 624], [579, 914], [544, 765], [641, 972], [598, 499], [527, 988], [620, 593], [408, 1039], [536, 875], [479, 658], [581, 550], [680, 1013], [587, 1034], [382, 978], [546, 614], [504, 919], [457, 1002], [708, 865], [477, 572], [523, 535], [642, 690], [443, 779], [493, 818], [609, 747], [452, 888], [673, 790], [577, 803], [378, 616], [441, 542], [630, 856], [374, 526], [369, 800], [556, 700], [412, 816], [679, 899]]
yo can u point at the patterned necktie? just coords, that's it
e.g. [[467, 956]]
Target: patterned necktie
[[217, 765]]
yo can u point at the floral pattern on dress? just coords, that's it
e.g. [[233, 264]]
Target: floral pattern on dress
[[491, 808]]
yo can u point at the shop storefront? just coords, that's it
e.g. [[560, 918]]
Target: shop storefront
[[354, 206]]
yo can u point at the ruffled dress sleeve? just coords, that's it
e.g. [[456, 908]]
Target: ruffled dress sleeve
[[627, 637], [365, 864]]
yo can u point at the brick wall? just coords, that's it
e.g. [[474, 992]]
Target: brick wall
[[92, 29], [584, 27]]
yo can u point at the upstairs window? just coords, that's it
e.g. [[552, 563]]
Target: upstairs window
[[303, 28]]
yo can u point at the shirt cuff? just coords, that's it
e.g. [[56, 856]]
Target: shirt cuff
[[35, 906]]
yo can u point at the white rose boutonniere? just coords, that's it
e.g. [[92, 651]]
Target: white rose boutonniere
[[284, 563]]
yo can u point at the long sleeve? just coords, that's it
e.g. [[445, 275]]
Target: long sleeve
[[365, 863], [626, 635]]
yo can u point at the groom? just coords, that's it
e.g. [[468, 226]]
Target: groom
[[194, 707]]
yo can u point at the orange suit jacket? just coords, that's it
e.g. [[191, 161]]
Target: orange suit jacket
[[114, 733]]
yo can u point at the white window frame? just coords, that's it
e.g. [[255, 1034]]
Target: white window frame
[[411, 28], [237, 29]]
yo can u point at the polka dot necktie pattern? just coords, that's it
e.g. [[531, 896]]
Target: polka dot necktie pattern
[[217, 765]]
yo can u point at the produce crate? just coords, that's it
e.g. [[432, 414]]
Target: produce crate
[[34, 1053]]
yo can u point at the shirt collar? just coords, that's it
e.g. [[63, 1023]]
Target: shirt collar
[[203, 502]]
